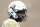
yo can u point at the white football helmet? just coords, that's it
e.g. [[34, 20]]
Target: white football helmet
[[16, 6]]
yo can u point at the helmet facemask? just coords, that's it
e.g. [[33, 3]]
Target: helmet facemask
[[21, 15]]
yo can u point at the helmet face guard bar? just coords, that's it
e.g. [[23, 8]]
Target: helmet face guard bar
[[24, 10]]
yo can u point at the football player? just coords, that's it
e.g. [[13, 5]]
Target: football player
[[17, 12]]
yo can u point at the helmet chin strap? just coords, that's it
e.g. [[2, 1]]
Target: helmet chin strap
[[18, 19]]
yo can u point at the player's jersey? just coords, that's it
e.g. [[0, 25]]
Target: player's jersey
[[10, 23]]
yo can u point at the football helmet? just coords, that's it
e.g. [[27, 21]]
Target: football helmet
[[16, 6]]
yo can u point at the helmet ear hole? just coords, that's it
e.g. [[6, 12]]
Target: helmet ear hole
[[11, 17]]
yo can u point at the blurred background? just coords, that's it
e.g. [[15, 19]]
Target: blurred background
[[33, 12]]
